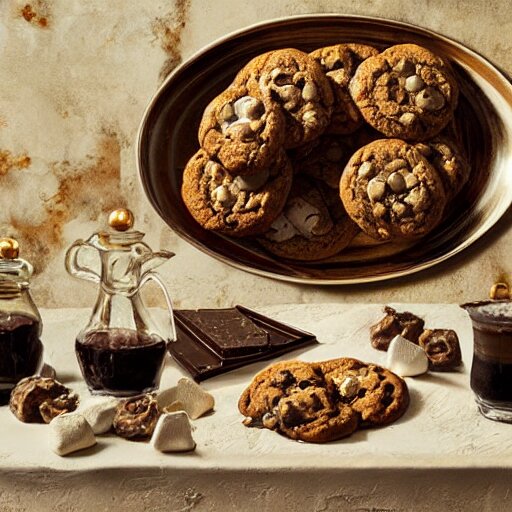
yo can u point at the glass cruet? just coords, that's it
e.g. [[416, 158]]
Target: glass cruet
[[122, 348], [21, 350]]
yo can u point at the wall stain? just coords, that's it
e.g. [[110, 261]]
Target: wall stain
[[168, 30], [10, 162], [87, 190], [36, 14]]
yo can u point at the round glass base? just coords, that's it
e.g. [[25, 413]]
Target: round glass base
[[495, 410]]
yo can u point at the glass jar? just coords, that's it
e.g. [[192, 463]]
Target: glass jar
[[122, 348], [21, 350]]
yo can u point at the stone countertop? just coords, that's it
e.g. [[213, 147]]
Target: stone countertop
[[76, 78], [441, 441]]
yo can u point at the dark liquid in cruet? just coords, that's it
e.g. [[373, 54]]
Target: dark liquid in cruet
[[120, 361], [20, 350]]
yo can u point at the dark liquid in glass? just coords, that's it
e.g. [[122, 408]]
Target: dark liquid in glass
[[491, 371], [120, 362], [20, 350]]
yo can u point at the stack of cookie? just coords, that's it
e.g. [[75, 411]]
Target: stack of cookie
[[305, 151], [321, 402]]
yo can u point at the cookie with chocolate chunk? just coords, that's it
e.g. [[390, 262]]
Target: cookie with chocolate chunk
[[447, 159], [311, 415], [405, 324], [406, 92], [313, 225], [260, 399], [296, 83], [391, 191], [339, 63], [235, 205], [442, 348], [377, 395], [242, 132]]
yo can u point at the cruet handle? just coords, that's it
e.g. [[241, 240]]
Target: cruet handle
[[74, 268], [153, 276]]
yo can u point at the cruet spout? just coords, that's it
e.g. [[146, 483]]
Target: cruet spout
[[154, 260]]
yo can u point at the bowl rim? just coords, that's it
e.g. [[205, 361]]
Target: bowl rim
[[481, 230]]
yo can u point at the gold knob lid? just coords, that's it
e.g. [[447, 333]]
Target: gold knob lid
[[121, 219], [9, 248], [500, 291]]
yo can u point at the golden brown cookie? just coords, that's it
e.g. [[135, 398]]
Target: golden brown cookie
[[235, 205], [447, 159], [339, 63], [406, 91], [242, 132], [313, 225], [275, 382], [321, 402], [295, 82], [376, 394], [391, 191], [310, 415], [405, 324]]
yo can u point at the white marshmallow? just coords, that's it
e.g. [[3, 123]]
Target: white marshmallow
[[173, 433], [196, 401], [281, 230], [406, 358], [99, 413], [69, 433]]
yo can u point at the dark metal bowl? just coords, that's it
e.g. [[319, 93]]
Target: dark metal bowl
[[168, 138]]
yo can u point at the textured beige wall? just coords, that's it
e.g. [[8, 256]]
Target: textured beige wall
[[75, 77]]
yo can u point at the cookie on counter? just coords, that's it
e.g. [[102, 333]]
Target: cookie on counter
[[313, 225], [291, 397], [406, 92], [378, 395], [242, 132], [295, 82], [235, 205], [406, 324], [272, 384], [391, 191], [447, 159], [339, 63]]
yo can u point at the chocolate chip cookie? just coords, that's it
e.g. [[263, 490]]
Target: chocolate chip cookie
[[275, 382], [376, 394], [405, 324], [321, 402], [294, 81], [406, 92], [313, 224], [447, 159], [391, 191], [242, 132], [235, 205], [339, 63], [442, 348]]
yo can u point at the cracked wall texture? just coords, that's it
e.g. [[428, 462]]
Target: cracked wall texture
[[76, 77]]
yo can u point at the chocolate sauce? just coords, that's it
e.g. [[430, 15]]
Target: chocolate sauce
[[120, 362], [20, 350]]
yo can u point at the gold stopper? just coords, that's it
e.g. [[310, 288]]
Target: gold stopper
[[499, 291], [121, 219], [9, 248]]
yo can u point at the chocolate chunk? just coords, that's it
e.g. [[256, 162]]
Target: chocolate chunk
[[227, 332], [194, 350], [406, 324], [442, 348]]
